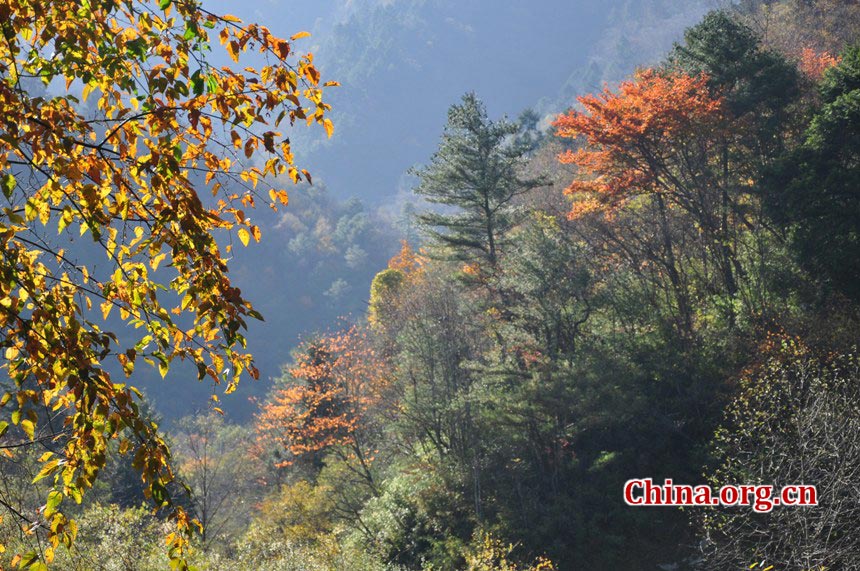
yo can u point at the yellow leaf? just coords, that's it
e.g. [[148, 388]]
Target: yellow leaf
[[329, 127], [106, 307], [28, 427], [244, 236], [44, 212], [299, 36], [233, 50], [64, 221], [156, 260]]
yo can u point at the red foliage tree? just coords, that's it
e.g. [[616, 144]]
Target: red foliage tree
[[813, 63], [336, 381], [641, 138], [668, 137]]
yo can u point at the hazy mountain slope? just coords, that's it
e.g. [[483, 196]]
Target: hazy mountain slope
[[402, 63], [639, 33]]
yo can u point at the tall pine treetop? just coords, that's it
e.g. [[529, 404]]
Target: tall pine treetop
[[477, 171]]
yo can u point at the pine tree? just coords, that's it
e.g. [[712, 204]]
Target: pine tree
[[476, 170]]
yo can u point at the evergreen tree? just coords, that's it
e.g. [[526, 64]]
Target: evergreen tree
[[477, 170], [760, 85], [813, 191]]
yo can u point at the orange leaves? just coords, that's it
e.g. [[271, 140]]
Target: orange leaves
[[813, 64], [584, 203], [651, 105], [407, 260], [627, 133], [335, 381], [309, 72], [233, 50], [279, 196], [250, 147]]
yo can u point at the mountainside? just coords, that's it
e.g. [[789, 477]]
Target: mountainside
[[571, 286], [401, 64]]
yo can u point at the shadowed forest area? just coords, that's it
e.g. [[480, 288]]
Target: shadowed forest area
[[654, 273]]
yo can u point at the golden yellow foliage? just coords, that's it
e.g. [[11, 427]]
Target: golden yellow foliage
[[123, 178]]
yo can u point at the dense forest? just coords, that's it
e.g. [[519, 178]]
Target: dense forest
[[653, 273], [382, 132]]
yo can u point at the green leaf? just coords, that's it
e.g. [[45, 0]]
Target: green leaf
[[28, 560], [163, 363], [163, 4], [159, 493], [54, 500], [181, 88], [137, 48], [190, 31], [8, 184], [197, 84]]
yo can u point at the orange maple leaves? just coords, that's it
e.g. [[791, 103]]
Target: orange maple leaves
[[631, 133]]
